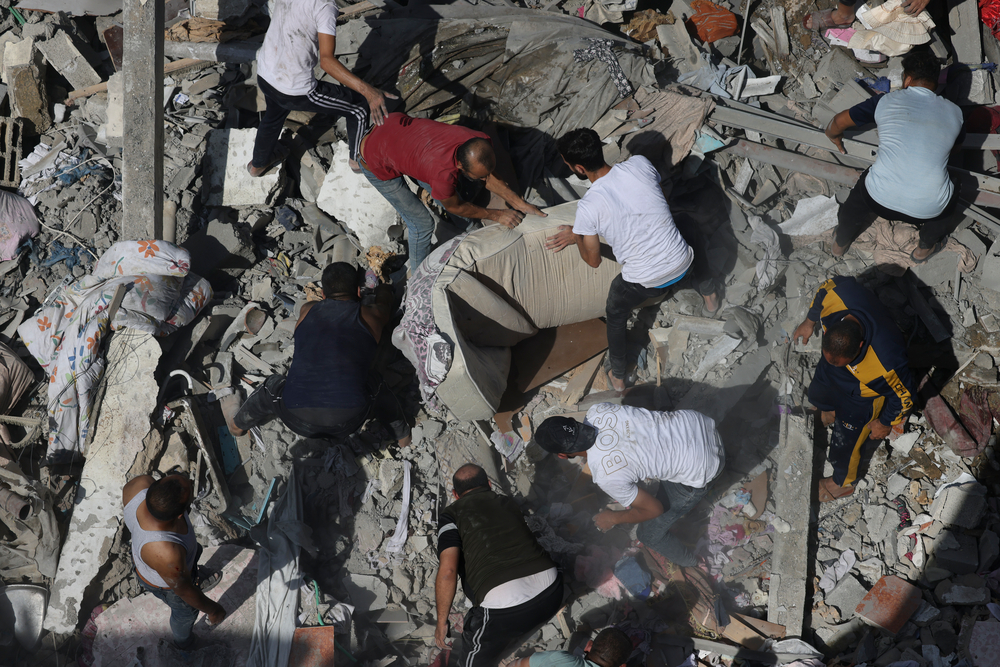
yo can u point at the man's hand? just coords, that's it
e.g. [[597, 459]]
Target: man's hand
[[913, 7], [564, 237], [376, 102], [804, 331], [836, 138], [509, 218], [529, 209], [441, 634], [605, 520], [878, 430], [217, 615]]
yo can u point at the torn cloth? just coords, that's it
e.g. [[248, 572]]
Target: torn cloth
[[678, 114], [67, 332], [600, 49], [891, 244], [17, 223]]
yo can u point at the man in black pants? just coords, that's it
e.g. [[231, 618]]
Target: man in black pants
[[329, 391], [909, 182], [303, 33], [512, 583]]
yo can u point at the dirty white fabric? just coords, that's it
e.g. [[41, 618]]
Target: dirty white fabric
[[889, 30], [812, 215], [634, 444], [767, 238], [396, 543], [626, 206], [679, 112], [278, 577], [836, 572], [519, 591], [17, 223], [288, 58], [67, 332]]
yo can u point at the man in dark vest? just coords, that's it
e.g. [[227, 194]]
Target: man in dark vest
[[513, 584], [330, 390]]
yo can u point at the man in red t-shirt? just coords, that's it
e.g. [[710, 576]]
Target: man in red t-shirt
[[434, 154]]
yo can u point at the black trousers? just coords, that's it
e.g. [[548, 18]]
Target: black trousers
[[264, 404], [859, 212], [327, 98], [487, 633]]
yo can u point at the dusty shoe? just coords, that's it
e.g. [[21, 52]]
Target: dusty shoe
[[830, 490]]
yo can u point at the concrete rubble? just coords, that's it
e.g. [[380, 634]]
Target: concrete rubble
[[905, 569]]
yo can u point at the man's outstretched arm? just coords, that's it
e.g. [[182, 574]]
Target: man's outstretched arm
[[444, 592], [332, 66]]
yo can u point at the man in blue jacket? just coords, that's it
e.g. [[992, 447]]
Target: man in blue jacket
[[862, 384]]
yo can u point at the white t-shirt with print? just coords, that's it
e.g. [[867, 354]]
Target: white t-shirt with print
[[287, 59], [634, 444], [627, 208]]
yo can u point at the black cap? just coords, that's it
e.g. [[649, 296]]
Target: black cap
[[562, 435]]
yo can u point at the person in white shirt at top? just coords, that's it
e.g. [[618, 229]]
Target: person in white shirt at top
[[624, 445], [625, 205], [301, 35]]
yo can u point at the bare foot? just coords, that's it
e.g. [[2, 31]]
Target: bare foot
[[830, 490], [827, 417], [355, 167], [236, 430], [405, 442], [829, 19], [838, 250], [711, 302], [618, 384]]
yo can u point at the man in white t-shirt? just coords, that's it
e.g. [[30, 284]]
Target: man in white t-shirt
[[302, 34], [624, 445], [625, 205]]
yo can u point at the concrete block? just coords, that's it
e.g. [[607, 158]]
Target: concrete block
[[890, 604], [24, 74], [846, 595], [837, 67], [963, 559], [983, 642], [962, 505], [221, 250], [352, 200], [226, 179], [219, 10], [115, 127], [937, 270], [949, 593], [6, 39], [122, 426], [65, 58], [311, 175], [11, 133]]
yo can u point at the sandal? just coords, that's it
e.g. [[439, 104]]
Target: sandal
[[824, 19], [828, 494], [935, 249]]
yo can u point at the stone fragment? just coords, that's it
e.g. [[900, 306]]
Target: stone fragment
[[961, 559], [962, 505], [311, 175], [65, 58], [938, 270], [368, 593], [944, 637], [24, 73], [947, 592], [989, 550], [352, 200], [896, 485], [113, 129], [226, 179], [925, 614], [890, 604], [221, 250], [846, 595]]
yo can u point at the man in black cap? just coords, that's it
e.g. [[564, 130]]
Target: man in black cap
[[624, 445]]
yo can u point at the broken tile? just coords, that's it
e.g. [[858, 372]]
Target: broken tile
[[890, 604]]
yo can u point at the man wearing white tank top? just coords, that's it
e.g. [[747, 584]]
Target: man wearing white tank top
[[165, 551]]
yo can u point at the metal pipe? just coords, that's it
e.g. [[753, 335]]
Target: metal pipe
[[788, 160], [17, 506]]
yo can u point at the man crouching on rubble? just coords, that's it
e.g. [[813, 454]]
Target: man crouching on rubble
[[625, 205], [512, 583], [917, 131], [624, 445], [330, 390], [165, 551], [862, 384]]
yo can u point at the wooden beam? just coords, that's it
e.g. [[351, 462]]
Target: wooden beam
[[103, 87]]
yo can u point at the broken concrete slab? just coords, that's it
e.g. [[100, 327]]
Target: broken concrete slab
[[959, 554], [24, 74], [890, 604], [113, 130], [846, 595], [65, 58], [960, 505], [352, 200], [226, 179], [124, 422], [950, 593]]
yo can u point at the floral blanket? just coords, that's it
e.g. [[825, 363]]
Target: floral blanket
[[67, 332]]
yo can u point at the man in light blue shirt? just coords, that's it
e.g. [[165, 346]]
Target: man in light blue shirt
[[610, 648], [909, 181]]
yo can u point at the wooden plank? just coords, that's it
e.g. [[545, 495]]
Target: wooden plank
[[581, 380], [103, 87]]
